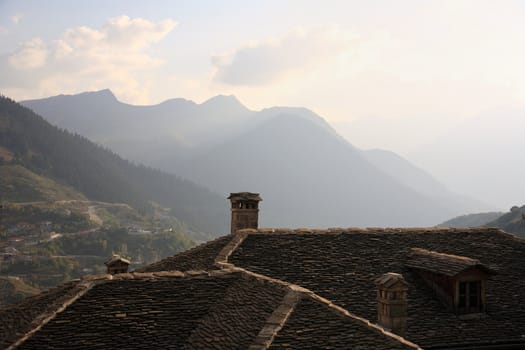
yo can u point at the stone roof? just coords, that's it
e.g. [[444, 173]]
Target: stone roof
[[293, 289], [313, 325], [440, 263], [24, 316], [221, 309], [341, 265], [201, 257]]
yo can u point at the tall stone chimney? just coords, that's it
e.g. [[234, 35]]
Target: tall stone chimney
[[392, 302], [245, 210]]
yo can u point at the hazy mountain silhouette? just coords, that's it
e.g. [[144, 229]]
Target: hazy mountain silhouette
[[308, 174], [100, 174], [310, 178], [144, 133], [512, 221], [405, 172], [472, 220], [482, 155]]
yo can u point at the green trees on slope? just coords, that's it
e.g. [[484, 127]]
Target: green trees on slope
[[101, 174]]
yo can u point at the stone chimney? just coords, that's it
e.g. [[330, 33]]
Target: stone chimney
[[117, 264], [245, 210], [392, 302]]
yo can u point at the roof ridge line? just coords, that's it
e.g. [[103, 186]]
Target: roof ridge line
[[157, 275], [310, 294], [462, 258], [510, 235], [221, 260], [183, 253], [276, 321], [363, 320], [351, 230], [41, 320]]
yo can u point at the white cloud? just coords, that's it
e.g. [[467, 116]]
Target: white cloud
[[119, 33], [264, 62], [84, 58], [30, 55], [135, 34]]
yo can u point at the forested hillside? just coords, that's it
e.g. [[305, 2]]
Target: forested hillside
[[99, 174], [19, 184], [512, 221], [471, 220]]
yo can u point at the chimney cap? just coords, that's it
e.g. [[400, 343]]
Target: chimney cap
[[117, 258], [391, 279], [246, 196]]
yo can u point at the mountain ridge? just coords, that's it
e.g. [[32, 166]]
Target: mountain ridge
[[101, 174], [295, 198], [176, 140]]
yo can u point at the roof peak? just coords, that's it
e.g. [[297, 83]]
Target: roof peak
[[371, 230], [459, 258], [442, 263]]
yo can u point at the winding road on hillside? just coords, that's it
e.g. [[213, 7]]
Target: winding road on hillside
[[91, 210]]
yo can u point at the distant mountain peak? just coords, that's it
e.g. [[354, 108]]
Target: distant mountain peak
[[177, 101], [225, 101], [104, 93], [99, 95]]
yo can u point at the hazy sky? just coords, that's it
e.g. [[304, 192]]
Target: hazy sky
[[391, 74]]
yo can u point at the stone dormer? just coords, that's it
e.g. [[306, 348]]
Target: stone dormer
[[117, 264], [245, 210], [392, 302], [459, 281]]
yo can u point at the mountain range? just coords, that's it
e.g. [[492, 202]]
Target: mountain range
[[512, 221], [307, 174], [40, 161]]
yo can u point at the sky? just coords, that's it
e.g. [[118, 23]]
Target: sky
[[398, 75]]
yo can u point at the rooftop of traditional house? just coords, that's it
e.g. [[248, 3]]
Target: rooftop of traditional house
[[339, 288], [342, 265], [220, 309]]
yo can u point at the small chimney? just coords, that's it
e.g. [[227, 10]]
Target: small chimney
[[392, 302], [117, 264], [245, 210]]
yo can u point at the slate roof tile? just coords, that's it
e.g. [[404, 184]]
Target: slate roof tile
[[313, 325], [201, 257], [341, 265], [440, 263], [168, 312], [19, 318], [229, 309], [289, 289]]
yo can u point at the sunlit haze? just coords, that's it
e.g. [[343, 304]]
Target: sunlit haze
[[441, 83]]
